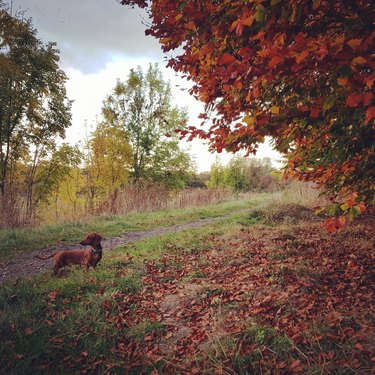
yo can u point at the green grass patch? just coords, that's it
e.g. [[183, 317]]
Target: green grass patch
[[21, 240], [140, 331]]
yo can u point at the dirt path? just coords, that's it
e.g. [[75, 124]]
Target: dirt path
[[27, 265]]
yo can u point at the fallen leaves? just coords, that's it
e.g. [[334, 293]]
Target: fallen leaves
[[284, 299], [233, 288]]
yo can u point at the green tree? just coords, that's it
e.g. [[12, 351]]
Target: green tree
[[242, 174], [217, 175], [142, 106], [171, 166], [33, 105], [110, 161], [235, 174]]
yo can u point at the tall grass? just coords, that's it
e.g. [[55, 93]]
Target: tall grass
[[134, 198], [300, 193], [145, 197]]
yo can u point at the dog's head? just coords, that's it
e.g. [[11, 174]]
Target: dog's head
[[93, 239]]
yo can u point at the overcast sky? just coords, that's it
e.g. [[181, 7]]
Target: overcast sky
[[100, 41]]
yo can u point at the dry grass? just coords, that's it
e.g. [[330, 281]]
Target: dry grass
[[300, 193], [155, 197]]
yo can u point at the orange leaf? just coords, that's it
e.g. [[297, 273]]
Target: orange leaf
[[342, 81], [302, 56], [362, 206], [370, 114], [248, 21], [275, 61], [226, 58], [367, 97], [330, 225], [354, 43], [353, 100], [340, 223], [351, 200], [359, 60], [178, 17], [369, 81], [52, 295], [191, 26], [234, 25], [239, 29]]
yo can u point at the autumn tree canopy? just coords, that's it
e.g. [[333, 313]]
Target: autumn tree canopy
[[299, 71]]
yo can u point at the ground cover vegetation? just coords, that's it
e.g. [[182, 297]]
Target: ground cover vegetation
[[266, 291], [301, 72]]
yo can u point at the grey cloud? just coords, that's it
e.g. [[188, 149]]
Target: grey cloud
[[90, 32]]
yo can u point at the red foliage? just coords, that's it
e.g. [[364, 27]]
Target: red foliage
[[299, 71]]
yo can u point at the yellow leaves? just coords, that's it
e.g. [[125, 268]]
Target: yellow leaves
[[178, 17], [165, 40], [275, 110], [249, 120], [345, 207]]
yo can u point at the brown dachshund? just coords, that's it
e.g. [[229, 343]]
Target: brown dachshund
[[88, 257]]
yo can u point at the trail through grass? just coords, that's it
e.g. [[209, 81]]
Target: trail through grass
[[16, 241], [251, 294]]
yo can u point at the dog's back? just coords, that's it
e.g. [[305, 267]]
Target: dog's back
[[89, 257]]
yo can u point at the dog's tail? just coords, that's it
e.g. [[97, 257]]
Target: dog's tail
[[48, 257]]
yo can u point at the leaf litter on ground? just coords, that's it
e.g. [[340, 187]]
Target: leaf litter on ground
[[285, 299]]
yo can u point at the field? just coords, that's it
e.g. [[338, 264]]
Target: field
[[262, 289]]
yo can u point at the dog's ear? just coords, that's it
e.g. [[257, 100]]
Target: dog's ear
[[96, 237]]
